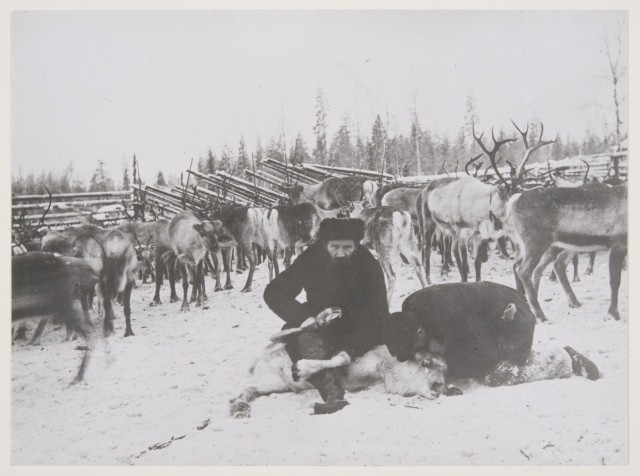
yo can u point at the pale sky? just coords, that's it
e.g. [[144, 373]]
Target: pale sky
[[89, 86]]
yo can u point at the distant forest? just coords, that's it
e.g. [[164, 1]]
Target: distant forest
[[396, 154]]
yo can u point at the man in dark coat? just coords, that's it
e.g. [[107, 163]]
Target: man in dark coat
[[335, 272], [485, 332]]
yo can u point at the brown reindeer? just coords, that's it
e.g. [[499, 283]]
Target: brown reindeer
[[330, 194], [576, 219], [43, 284], [288, 228], [119, 265], [191, 239], [244, 224]]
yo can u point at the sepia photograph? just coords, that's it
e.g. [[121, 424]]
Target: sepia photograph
[[318, 236]]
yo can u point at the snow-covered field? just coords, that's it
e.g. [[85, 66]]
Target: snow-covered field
[[161, 397]]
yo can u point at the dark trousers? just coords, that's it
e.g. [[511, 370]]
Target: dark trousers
[[317, 345]]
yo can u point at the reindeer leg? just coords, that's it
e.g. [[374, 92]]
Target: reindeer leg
[[159, 275], [574, 260], [84, 303], [217, 262], [460, 252], [127, 308], [592, 261], [199, 282], [35, 339], [107, 302], [481, 257], [227, 255], [172, 281], [530, 259], [426, 250], [203, 288], [560, 267], [616, 261], [185, 289], [252, 266], [550, 255], [411, 256], [385, 261]]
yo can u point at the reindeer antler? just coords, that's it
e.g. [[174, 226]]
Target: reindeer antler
[[473, 159], [41, 221], [529, 150], [586, 174], [492, 153]]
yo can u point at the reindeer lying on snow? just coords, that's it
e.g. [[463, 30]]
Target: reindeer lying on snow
[[424, 375]]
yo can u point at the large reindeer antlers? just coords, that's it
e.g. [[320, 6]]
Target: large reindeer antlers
[[529, 150], [493, 152]]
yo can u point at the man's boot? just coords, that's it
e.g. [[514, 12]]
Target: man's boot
[[582, 365], [330, 391]]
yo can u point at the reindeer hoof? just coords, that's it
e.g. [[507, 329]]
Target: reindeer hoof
[[217, 289], [575, 305], [246, 290], [128, 333], [184, 308], [228, 286], [615, 314], [155, 302], [174, 299], [240, 410], [453, 391]]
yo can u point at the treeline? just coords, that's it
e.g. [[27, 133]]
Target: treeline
[[418, 151]]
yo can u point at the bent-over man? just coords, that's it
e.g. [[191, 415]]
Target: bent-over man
[[485, 332], [335, 272]]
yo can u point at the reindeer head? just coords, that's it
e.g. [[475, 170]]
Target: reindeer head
[[430, 381], [214, 233]]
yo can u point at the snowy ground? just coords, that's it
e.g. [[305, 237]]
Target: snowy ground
[[146, 401]]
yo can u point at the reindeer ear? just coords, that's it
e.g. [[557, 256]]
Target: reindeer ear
[[199, 227]]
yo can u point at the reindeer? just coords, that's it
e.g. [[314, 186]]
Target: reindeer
[[461, 208], [191, 239], [424, 375], [43, 284], [118, 271], [29, 236], [331, 193], [288, 228], [244, 224], [390, 233], [576, 219]]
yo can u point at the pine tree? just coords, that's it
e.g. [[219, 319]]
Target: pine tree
[[298, 154], [99, 178], [211, 166], [160, 180], [243, 161], [376, 145], [259, 154], [471, 118], [226, 160], [341, 150], [320, 129], [126, 184]]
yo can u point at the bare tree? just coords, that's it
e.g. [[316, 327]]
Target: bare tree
[[614, 52]]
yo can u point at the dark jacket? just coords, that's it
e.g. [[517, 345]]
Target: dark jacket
[[360, 293], [465, 318]]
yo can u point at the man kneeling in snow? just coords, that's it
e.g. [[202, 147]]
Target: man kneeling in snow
[[484, 331], [336, 272]]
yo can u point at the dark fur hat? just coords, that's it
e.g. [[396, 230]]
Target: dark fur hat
[[341, 229]]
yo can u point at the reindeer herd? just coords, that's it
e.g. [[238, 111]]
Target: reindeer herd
[[462, 215]]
